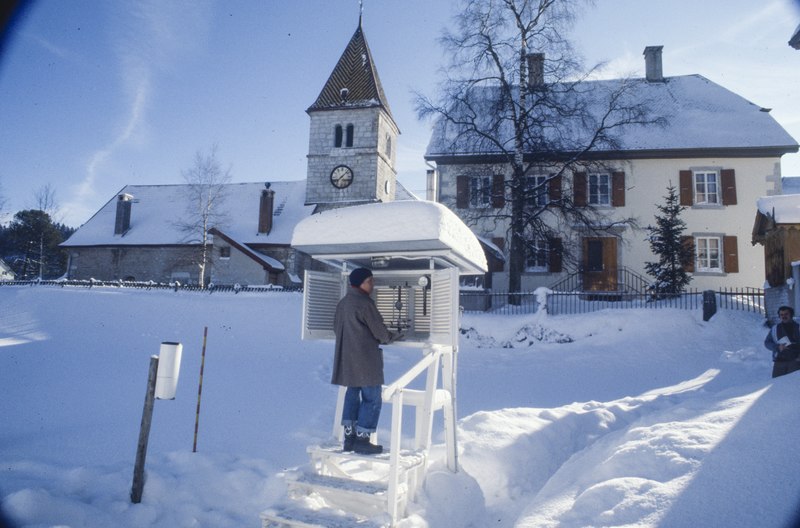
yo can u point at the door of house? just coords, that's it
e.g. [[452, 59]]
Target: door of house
[[600, 264]]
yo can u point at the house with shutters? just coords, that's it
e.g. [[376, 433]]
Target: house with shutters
[[721, 151], [136, 235]]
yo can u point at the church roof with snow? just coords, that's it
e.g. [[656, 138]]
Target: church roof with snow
[[157, 211], [354, 82]]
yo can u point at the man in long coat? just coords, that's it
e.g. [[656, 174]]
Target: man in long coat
[[358, 361]]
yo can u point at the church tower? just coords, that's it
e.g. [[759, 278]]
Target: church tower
[[353, 137]]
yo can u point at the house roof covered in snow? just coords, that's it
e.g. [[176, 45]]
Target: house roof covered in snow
[[795, 40], [782, 209], [354, 82], [6, 273], [157, 211], [403, 234], [699, 116]]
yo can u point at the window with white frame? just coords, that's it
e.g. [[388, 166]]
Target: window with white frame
[[599, 189], [538, 255], [709, 251], [537, 191], [706, 187], [225, 252], [480, 191]]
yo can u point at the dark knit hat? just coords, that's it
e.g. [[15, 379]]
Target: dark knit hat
[[358, 276]]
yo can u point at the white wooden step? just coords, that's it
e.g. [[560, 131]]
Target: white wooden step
[[362, 498], [298, 517], [408, 459]]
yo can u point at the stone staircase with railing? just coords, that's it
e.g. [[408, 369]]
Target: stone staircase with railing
[[627, 281]]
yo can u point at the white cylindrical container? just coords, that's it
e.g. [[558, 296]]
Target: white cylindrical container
[[169, 366]]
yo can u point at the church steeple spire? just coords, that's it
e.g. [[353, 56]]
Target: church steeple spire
[[354, 82]]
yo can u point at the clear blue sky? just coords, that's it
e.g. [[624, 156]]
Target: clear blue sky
[[97, 95]]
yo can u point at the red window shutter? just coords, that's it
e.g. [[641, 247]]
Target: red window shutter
[[556, 252], [730, 247], [728, 187], [689, 241], [579, 189], [462, 192], [554, 188], [498, 191], [618, 189], [687, 195]]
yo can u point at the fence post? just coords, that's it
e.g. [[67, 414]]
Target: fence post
[[709, 304]]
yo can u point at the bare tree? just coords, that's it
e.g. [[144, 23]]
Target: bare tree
[[45, 199], [516, 93], [206, 195]]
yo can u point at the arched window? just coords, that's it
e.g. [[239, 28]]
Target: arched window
[[349, 135], [337, 142], [388, 146]]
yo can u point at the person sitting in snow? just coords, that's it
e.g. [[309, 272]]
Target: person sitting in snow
[[358, 361], [783, 340]]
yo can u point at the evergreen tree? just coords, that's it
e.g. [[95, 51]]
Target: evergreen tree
[[31, 242], [666, 242]]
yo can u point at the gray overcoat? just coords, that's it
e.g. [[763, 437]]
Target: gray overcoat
[[359, 328]]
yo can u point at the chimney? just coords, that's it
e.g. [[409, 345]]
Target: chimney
[[123, 220], [266, 208], [535, 70], [652, 61], [432, 187]]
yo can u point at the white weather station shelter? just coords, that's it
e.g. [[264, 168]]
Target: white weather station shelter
[[417, 251]]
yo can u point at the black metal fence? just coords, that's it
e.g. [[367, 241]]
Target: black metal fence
[[481, 301], [565, 303]]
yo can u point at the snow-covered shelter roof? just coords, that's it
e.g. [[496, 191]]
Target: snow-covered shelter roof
[[782, 209], [394, 235], [699, 116], [156, 211]]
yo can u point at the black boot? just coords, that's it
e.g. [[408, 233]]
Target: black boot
[[349, 437], [363, 446]]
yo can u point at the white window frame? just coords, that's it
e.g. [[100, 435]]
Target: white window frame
[[480, 191], [708, 253], [538, 259], [705, 187], [538, 185], [599, 188], [223, 250]]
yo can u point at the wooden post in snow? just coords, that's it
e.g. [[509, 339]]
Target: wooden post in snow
[[200, 390], [144, 433]]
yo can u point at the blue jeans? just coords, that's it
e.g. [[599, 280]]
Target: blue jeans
[[362, 408]]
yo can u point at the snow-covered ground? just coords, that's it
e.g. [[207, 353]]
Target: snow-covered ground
[[617, 418]]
